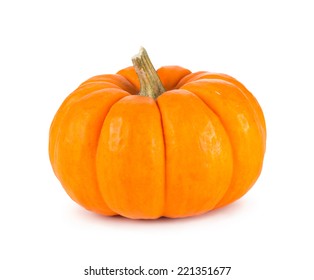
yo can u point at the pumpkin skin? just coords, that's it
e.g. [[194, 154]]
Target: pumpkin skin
[[198, 146]]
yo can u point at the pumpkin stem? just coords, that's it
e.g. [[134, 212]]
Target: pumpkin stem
[[150, 83]]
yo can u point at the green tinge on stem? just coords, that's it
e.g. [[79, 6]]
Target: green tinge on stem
[[150, 83]]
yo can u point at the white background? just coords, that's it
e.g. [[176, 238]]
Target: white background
[[49, 47]]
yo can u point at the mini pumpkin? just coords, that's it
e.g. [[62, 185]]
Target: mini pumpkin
[[145, 144]]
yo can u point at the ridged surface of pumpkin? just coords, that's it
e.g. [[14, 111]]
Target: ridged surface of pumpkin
[[198, 146]]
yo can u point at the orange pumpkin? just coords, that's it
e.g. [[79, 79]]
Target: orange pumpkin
[[143, 145]]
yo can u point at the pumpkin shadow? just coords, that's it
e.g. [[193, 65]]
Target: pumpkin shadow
[[214, 215]]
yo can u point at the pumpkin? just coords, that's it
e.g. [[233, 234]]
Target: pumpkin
[[145, 144]]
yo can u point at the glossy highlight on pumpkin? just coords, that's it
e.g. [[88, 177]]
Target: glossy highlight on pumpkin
[[196, 147]]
